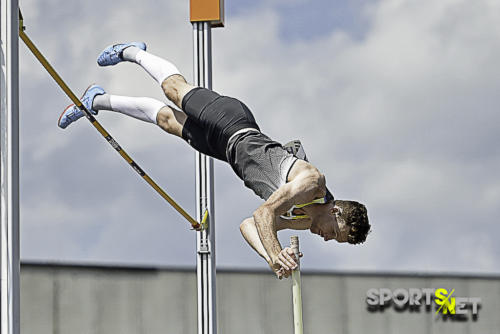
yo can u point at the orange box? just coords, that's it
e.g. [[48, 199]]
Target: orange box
[[207, 11]]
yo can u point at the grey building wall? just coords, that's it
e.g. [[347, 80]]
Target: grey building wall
[[75, 299]]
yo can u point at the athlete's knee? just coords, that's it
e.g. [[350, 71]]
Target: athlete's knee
[[173, 86], [166, 119], [171, 120], [164, 116]]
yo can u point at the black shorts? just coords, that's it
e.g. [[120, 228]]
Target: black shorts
[[212, 120]]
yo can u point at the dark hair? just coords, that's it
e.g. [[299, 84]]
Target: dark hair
[[355, 216]]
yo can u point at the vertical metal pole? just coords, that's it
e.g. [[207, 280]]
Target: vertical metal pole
[[9, 151], [207, 319]]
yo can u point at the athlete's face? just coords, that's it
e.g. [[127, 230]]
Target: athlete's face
[[327, 222]]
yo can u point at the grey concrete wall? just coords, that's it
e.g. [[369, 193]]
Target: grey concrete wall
[[77, 299]]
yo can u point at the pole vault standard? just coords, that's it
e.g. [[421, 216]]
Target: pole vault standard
[[9, 123], [205, 14]]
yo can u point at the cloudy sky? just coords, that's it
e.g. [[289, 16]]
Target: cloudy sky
[[395, 101]]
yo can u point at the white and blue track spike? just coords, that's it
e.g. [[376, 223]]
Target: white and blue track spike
[[72, 113], [112, 55]]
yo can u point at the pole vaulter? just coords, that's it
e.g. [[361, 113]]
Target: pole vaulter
[[294, 190]]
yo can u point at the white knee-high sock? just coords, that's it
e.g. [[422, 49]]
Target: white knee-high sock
[[157, 67], [144, 108]]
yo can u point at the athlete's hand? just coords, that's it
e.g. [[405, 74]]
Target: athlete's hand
[[278, 270], [285, 263]]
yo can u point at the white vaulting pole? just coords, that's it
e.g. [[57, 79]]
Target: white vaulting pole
[[296, 289], [9, 151], [207, 320]]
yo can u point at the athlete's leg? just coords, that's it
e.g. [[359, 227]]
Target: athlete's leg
[[164, 72], [146, 109], [143, 108], [174, 85]]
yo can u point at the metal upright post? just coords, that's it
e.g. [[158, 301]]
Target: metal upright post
[[207, 319], [9, 151], [205, 14]]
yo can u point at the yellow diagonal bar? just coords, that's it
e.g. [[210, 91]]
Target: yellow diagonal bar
[[196, 225]]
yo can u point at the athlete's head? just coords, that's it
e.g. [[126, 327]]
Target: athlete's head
[[354, 217], [344, 221]]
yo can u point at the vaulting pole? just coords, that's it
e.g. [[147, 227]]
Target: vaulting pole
[[204, 15], [9, 151], [296, 289]]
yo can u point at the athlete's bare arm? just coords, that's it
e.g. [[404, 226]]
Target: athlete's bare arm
[[305, 184], [249, 232]]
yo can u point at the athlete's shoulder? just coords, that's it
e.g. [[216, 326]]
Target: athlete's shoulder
[[296, 148]]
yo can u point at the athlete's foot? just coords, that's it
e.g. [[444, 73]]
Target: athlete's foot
[[113, 54], [72, 113]]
